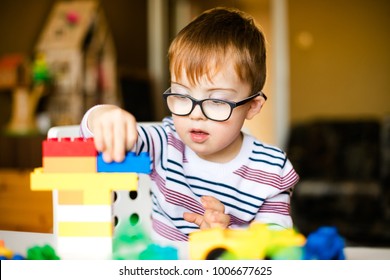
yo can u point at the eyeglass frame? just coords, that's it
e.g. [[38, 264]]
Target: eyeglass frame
[[195, 102]]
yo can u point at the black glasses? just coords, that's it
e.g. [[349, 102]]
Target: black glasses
[[214, 109]]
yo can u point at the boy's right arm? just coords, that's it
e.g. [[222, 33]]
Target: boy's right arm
[[114, 131]]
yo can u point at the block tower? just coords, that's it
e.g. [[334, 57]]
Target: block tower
[[84, 182]]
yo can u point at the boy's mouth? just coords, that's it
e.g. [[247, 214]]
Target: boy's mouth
[[198, 136]]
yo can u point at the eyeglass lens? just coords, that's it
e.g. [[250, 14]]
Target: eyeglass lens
[[212, 109]]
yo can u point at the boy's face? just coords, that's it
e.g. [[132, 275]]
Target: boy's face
[[212, 140]]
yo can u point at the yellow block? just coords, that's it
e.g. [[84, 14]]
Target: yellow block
[[96, 187], [92, 229], [101, 197], [83, 181], [69, 164]]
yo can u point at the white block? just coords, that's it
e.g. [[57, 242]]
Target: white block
[[84, 248], [84, 213]]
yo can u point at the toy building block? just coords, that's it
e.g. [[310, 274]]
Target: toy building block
[[45, 252], [240, 244], [254, 242], [7, 254], [97, 187], [80, 229], [84, 213], [62, 147], [75, 197], [67, 155], [132, 163], [324, 244], [84, 231], [286, 244], [69, 164], [84, 248], [157, 252], [84, 183]]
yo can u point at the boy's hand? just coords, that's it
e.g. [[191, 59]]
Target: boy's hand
[[115, 131], [214, 214]]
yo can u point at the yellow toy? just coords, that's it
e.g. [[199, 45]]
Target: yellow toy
[[257, 241], [83, 210]]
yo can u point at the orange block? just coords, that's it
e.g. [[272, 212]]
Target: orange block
[[69, 164], [71, 197]]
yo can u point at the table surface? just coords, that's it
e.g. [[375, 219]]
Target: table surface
[[19, 242]]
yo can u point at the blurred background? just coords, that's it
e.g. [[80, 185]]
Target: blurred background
[[328, 87]]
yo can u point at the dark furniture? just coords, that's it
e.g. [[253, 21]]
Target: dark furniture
[[344, 168]]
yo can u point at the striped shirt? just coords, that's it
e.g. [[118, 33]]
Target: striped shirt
[[255, 186]]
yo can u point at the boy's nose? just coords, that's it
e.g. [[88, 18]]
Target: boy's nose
[[197, 113]]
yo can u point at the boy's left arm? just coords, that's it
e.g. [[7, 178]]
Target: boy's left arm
[[275, 210]]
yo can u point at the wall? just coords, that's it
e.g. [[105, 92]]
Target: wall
[[339, 54], [340, 59], [20, 24], [263, 124]]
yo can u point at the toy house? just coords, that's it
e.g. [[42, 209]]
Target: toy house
[[78, 48]]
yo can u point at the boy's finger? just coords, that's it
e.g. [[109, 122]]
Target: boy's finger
[[131, 135], [216, 219], [107, 157], [211, 203], [193, 218], [104, 133], [98, 139], [119, 142]]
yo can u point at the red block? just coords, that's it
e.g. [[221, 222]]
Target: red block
[[54, 147]]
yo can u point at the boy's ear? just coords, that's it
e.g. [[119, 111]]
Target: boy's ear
[[255, 107]]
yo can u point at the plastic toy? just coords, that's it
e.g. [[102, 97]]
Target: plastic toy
[[40, 69], [69, 147], [259, 242], [131, 242], [255, 242], [131, 163], [28, 90], [7, 254], [157, 252], [324, 244], [45, 252], [83, 214]]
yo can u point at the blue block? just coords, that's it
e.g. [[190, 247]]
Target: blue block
[[131, 163], [324, 244]]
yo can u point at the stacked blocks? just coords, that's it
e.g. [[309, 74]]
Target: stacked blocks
[[83, 212]]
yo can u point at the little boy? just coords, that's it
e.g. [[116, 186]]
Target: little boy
[[206, 172]]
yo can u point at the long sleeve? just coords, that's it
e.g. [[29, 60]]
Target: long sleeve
[[84, 129]]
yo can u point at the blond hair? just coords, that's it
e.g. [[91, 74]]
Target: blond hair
[[217, 35]]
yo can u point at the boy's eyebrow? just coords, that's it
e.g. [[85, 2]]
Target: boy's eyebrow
[[209, 89], [179, 84], [223, 89]]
